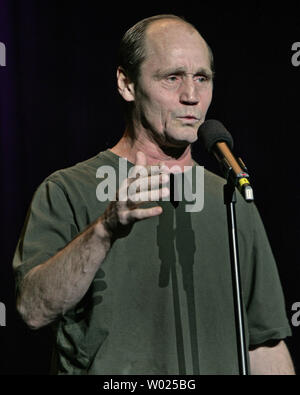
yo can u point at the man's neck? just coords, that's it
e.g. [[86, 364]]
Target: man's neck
[[127, 147]]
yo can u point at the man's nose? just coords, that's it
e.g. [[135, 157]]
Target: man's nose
[[189, 94]]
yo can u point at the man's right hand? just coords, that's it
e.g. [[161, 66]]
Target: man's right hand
[[120, 215]]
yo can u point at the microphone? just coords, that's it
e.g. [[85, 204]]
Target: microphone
[[218, 141]]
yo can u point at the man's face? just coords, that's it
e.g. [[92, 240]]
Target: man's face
[[174, 88]]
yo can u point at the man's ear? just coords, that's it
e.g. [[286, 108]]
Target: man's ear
[[125, 86]]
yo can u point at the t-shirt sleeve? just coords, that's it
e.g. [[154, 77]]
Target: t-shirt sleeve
[[266, 312], [49, 227]]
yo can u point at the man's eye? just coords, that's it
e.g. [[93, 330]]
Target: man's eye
[[201, 78], [172, 78]]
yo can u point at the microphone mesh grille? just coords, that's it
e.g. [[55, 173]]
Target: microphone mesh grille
[[213, 131]]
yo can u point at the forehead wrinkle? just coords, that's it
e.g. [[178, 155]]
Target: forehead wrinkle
[[160, 72]]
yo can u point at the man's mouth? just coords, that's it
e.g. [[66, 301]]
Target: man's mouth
[[189, 118]]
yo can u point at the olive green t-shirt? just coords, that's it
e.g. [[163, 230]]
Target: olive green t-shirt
[[161, 301]]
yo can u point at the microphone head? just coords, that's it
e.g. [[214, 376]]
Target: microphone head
[[213, 131]]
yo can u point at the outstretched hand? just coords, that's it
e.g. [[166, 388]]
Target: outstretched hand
[[149, 184]]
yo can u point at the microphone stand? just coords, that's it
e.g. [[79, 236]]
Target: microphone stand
[[229, 201]]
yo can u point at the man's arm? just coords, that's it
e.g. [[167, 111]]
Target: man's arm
[[55, 286], [271, 359]]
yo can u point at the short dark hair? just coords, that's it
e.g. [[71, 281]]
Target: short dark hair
[[132, 51]]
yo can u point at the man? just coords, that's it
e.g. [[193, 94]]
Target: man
[[140, 285]]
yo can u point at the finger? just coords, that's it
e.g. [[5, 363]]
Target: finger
[[151, 195], [161, 163], [148, 183], [143, 213], [138, 172], [163, 167], [140, 159], [140, 169], [130, 187]]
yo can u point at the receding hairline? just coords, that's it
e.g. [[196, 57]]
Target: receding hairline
[[172, 20], [175, 21]]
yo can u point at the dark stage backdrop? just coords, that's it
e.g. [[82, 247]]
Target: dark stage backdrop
[[59, 105]]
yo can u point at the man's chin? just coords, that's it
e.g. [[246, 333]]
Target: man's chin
[[182, 140]]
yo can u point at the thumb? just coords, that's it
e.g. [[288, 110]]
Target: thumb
[[140, 159]]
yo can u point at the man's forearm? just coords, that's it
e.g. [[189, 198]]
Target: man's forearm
[[52, 288], [275, 360]]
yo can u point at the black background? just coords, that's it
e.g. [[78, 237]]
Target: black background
[[59, 105]]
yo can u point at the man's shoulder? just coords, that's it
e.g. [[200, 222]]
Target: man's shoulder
[[82, 171], [213, 178]]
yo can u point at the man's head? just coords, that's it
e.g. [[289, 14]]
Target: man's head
[[165, 76]]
